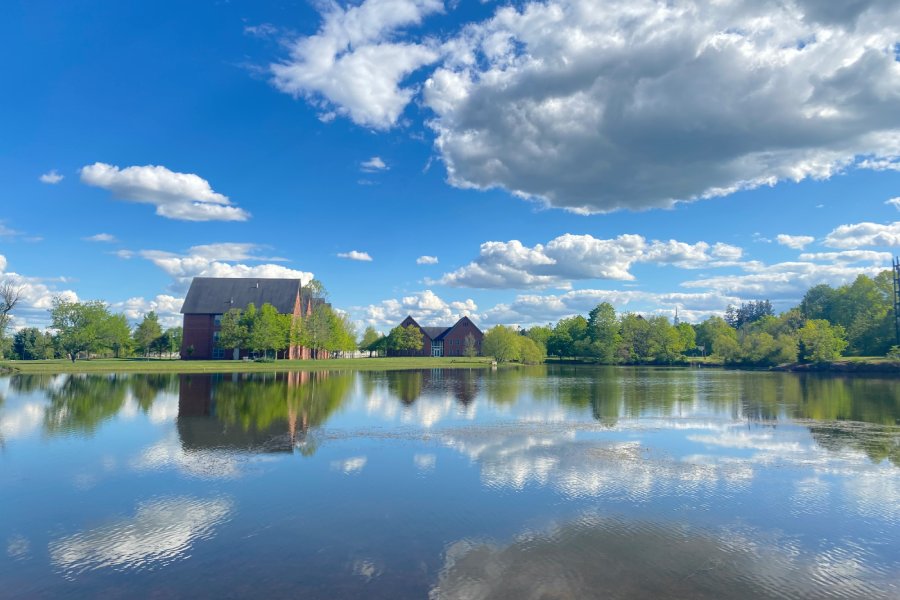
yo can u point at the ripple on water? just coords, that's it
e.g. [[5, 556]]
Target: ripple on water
[[595, 557]]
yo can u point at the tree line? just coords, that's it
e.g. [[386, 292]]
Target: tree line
[[856, 319], [90, 328]]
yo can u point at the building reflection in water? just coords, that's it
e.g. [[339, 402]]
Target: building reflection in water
[[271, 412], [408, 386]]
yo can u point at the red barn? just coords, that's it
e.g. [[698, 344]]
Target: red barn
[[445, 341], [211, 297]]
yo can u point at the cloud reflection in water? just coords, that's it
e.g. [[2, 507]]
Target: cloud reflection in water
[[160, 532]]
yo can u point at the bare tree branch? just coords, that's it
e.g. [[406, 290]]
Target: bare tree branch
[[10, 294]]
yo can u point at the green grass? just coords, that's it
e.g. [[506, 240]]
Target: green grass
[[133, 365]]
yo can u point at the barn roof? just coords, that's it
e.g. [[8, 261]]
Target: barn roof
[[435, 333], [216, 295]]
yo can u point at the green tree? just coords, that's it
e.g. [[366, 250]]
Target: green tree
[[540, 334], [79, 325], [718, 338], [32, 344], [569, 338], [406, 339], [171, 340], [635, 345], [268, 331], [530, 352], [233, 332], [603, 331], [821, 341], [117, 335], [502, 343], [147, 333], [369, 338]]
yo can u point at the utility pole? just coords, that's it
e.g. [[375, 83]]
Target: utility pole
[[896, 263]]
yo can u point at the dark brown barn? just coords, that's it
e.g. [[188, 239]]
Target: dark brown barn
[[445, 341], [211, 297]]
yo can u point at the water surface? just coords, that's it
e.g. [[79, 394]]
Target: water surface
[[520, 483]]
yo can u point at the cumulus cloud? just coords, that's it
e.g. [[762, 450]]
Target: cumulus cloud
[[355, 255], [51, 177], [576, 257], [797, 242], [786, 281], [595, 106], [864, 234], [36, 299], [849, 256], [426, 307], [167, 307], [895, 202], [101, 237], [354, 65], [218, 260], [427, 260], [373, 164], [531, 309], [181, 196]]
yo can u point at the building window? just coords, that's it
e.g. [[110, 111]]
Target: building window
[[217, 320], [218, 351]]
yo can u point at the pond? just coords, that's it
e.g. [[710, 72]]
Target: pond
[[545, 482]]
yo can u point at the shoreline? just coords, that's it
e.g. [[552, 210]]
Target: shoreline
[[124, 365], [59, 366]]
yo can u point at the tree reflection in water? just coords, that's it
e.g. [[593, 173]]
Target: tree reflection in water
[[258, 412]]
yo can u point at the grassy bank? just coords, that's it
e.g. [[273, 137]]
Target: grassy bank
[[130, 365]]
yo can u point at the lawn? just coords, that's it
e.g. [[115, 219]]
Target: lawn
[[132, 365]]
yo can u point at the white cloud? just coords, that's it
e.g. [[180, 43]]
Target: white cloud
[[353, 66], [577, 257], [895, 202], [786, 281], [355, 255], [427, 260], [797, 242], [37, 297], [51, 177], [182, 196], [373, 164], [571, 101], [637, 104], [426, 307], [101, 237], [263, 30], [218, 260], [167, 307], [850, 256], [537, 309], [864, 234]]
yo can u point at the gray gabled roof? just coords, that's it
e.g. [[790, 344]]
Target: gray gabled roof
[[216, 295], [435, 333]]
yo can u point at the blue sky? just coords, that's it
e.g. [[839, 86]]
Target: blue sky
[[549, 155]]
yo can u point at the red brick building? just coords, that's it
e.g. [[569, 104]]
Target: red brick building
[[445, 341], [211, 297]]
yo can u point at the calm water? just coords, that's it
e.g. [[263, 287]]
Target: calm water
[[538, 483]]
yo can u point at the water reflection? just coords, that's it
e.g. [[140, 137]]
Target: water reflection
[[353, 483], [161, 531], [596, 557]]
